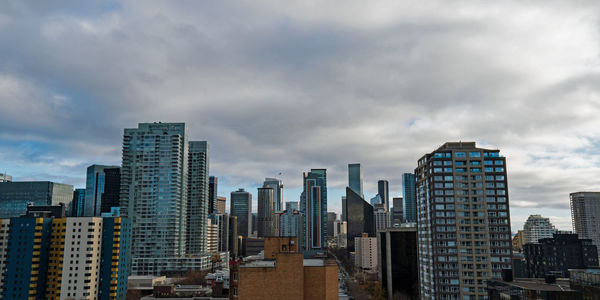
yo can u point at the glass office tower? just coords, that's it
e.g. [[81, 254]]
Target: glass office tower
[[355, 178], [102, 189], [313, 205], [409, 195], [241, 207]]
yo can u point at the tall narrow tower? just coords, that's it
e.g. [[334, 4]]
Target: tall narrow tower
[[198, 198], [313, 204], [355, 178]]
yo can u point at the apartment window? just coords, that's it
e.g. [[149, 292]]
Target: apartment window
[[460, 154]]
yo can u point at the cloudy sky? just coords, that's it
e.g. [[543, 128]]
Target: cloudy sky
[[285, 86]]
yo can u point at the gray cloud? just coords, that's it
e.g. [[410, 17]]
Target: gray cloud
[[285, 86]]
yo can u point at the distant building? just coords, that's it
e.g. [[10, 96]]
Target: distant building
[[284, 274], [197, 198], [518, 241], [360, 218], [212, 237], [519, 265], [93, 265], [537, 227], [585, 209], [340, 232], [409, 194], [383, 191], [382, 218], [253, 246], [291, 205], [233, 237], [331, 217], [220, 206], [241, 207], [5, 178], [102, 189], [313, 205], [277, 187], [397, 211], [365, 256], [555, 256], [586, 281], [222, 221], [355, 178], [397, 262], [266, 222], [77, 204], [376, 200], [291, 224], [16, 195], [213, 185]]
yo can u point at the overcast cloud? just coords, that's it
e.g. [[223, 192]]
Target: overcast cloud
[[282, 86]]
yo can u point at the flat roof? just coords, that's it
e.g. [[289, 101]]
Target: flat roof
[[540, 285], [259, 264], [313, 262]]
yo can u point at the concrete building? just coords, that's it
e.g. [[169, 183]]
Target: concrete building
[[220, 206], [585, 209], [556, 255], [331, 217], [537, 227], [241, 207], [233, 237], [360, 218], [65, 258], [398, 263], [284, 274], [382, 218], [518, 241], [313, 205], [340, 232], [291, 205], [277, 187], [16, 195], [463, 217], [409, 194], [212, 237], [5, 177], [102, 189], [365, 257], [266, 222], [397, 210], [355, 178], [383, 191], [197, 198]]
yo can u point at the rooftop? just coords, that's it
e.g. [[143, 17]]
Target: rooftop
[[538, 284]]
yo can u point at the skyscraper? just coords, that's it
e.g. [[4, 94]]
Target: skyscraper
[[197, 198], [331, 217], [266, 225], [585, 212], [241, 207], [220, 205], [382, 217], [360, 218], [291, 205], [463, 218], [313, 204], [102, 185], [410, 197], [76, 209], [290, 224], [397, 211], [154, 189], [384, 193], [355, 178], [277, 187], [537, 227], [212, 194]]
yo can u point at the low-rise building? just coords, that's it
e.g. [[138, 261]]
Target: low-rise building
[[283, 273], [534, 289]]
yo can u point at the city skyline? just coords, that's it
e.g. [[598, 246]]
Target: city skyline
[[408, 79]]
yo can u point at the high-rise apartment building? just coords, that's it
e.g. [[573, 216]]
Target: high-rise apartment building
[[383, 190], [291, 224], [164, 190], [331, 217], [355, 178], [365, 256], [397, 210], [409, 195], [16, 195], [102, 189], [463, 219], [64, 258], [266, 222], [585, 212], [197, 198], [359, 217], [537, 227], [277, 187], [77, 204], [382, 218], [241, 207], [212, 236], [233, 238], [212, 194], [222, 221], [313, 205], [5, 177], [220, 206]]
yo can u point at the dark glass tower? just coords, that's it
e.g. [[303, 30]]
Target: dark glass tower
[[359, 217], [410, 197], [384, 193], [212, 194], [102, 189], [241, 207]]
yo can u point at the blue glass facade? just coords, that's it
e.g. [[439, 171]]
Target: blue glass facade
[[313, 205], [115, 260], [409, 194], [102, 189]]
